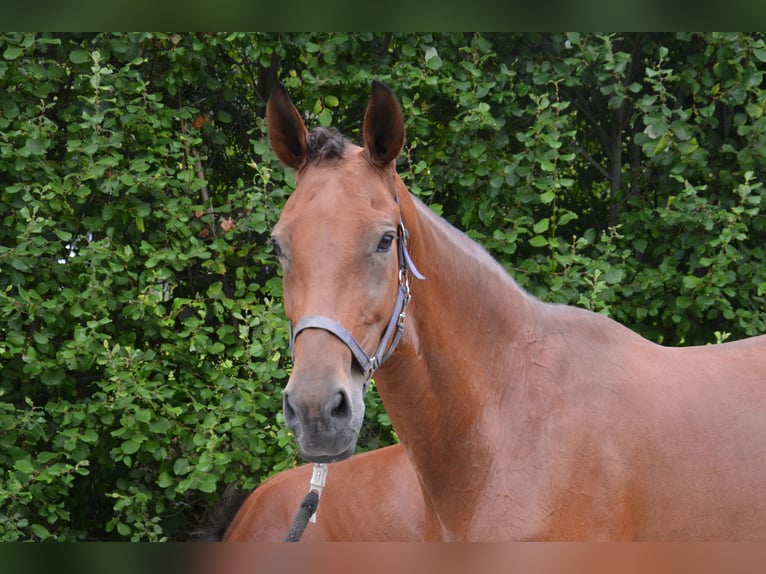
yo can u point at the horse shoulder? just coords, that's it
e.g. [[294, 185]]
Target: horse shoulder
[[267, 513], [372, 496]]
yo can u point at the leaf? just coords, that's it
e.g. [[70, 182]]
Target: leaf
[[691, 281], [34, 147], [15, 338], [40, 337], [79, 56], [541, 226], [24, 465], [181, 466], [76, 309], [681, 132], [143, 415], [325, 117], [615, 101], [683, 302], [754, 110], [538, 241], [573, 37], [613, 275], [566, 217], [40, 531], [435, 63], [661, 146], [63, 235], [12, 52], [89, 436], [164, 480], [131, 446], [655, 127], [207, 483], [547, 165], [548, 196], [19, 264]]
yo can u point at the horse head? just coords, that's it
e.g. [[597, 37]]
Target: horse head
[[341, 244]]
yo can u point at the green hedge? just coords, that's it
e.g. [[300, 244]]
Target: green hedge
[[143, 342]]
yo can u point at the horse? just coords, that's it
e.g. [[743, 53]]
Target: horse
[[370, 497], [523, 420]]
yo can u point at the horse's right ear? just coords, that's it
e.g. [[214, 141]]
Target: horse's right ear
[[287, 132], [383, 125]]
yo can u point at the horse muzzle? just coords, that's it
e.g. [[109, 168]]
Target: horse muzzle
[[325, 418]]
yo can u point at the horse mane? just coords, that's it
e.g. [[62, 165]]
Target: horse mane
[[325, 143], [217, 519]]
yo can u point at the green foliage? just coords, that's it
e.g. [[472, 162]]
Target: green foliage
[[143, 343]]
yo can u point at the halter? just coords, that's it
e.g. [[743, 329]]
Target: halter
[[367, 363]]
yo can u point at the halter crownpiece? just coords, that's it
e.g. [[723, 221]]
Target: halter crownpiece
[[369, 364]]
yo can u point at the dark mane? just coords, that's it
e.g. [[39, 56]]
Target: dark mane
[[218, 518], [325, 143]]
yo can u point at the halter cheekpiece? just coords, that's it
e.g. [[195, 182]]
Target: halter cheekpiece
[[367, 363]]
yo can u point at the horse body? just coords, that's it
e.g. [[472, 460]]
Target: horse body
[[562, 423], [523, 420], [370, 497]]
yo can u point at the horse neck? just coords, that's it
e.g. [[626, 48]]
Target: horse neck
[[468, 309], [443, 385]]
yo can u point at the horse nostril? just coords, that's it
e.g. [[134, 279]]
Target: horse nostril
[[289, 411], [340, 408]]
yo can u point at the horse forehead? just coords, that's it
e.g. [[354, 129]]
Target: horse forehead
[[335, 190]]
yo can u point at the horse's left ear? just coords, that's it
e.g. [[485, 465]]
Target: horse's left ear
[[383, 126]]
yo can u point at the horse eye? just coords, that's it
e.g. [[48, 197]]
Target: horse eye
[[385, 243]]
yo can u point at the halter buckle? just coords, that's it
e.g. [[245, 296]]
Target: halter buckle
[[318, 479], [405, 302], [371, 368]]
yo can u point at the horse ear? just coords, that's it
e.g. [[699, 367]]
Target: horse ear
[[383, 126], [287, 132]]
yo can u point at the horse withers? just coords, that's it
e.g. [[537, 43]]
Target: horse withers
[[523, 420]]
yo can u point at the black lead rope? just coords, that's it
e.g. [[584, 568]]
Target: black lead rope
[[307, 509], [310, 503]]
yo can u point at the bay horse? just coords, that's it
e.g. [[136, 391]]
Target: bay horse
[[369, 497], [524, 420]]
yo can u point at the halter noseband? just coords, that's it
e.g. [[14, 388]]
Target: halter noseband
[[369, 364]]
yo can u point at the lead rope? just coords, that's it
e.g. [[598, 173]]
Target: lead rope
[[308, 508]]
